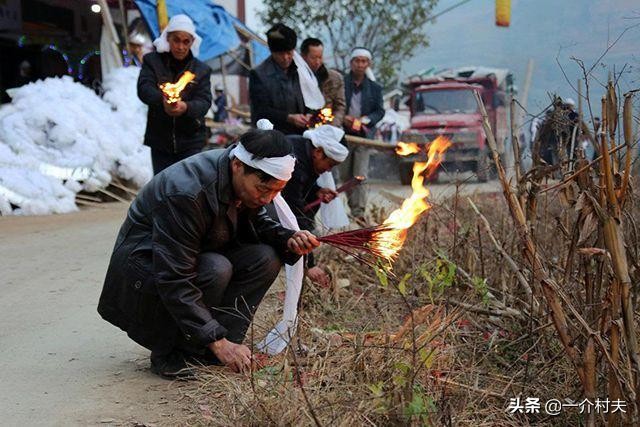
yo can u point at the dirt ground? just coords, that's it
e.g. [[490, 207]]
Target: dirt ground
[[61, 363]]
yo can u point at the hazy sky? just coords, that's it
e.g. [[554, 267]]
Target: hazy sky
[[543, 30], [547, 31]]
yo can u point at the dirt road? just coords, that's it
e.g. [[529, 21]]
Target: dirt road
[[61, 363]]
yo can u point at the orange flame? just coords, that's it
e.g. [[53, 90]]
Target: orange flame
[[172, 91], [406, 148], [324, 117], [390, 241]]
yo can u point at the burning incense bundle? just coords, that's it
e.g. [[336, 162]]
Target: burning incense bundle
[[323, 117], [353, 182], [385, 240], [173, 91]]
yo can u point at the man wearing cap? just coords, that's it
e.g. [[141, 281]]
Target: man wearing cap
[[274, 85], [331, 82], [197, 252], [364, 109], [317, 151], [175, 130]]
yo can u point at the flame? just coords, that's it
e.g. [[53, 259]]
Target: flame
[[389, 241], [406, 148], [324, 117], [172, 91]]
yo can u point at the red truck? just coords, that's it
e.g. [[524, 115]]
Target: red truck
[[443, 104]]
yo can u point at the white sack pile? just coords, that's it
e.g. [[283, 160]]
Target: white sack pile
[[57, 137]]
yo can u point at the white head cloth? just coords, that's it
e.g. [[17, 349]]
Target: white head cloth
[[178, 23], [328, 138], [278, 167], [361, 51], [313, 98], [264, 124]]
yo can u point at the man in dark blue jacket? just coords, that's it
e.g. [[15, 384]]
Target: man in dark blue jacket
[[176, 130], [274, 85], [317, 151], [364, 109]]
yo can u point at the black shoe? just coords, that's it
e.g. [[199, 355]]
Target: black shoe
[[171, 366]]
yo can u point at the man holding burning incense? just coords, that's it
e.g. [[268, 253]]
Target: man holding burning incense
[[197, 252], [317, 151], [175, 126], [274, 85], [330, 81], [364, 109]]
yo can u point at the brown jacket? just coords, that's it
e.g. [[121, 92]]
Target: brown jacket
[[333, 90]]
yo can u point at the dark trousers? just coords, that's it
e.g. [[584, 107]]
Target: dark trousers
[[233, 284], [162, 160]]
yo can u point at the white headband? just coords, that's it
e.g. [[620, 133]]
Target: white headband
[[178, 23], [360, 51], [328, 138], [278, 167]]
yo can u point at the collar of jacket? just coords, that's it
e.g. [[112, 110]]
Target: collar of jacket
[[322, 74], [224, 187], [220, 194], [275, 68], [187, 63]]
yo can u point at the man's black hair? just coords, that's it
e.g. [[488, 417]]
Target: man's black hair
[[307, 43], [265, 143], [281, 38]]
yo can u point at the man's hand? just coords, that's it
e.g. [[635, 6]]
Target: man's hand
[[174, 109], [319, 276], [299, 120], [302, 242], [348, 121], [326, 195], [237, 357]]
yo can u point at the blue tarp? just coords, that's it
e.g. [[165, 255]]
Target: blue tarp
[[213, 23]]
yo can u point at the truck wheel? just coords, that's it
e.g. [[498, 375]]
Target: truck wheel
[[405, 170], [406, 174], [485, 169]]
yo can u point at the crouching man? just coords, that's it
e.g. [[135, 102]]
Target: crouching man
[[198, 252]]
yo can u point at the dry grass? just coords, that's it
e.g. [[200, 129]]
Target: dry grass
[[489, 301], [475, 343]]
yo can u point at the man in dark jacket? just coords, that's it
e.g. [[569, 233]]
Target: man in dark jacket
[[197, 253], [317, 151], [364, 110], [274, 85], [176, 130]]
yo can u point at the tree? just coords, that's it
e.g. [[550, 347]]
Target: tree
[[391, 29]]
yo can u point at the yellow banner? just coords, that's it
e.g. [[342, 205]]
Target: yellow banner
[[503, 13], [163, 16]]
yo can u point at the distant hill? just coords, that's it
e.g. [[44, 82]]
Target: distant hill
[[542, 30]]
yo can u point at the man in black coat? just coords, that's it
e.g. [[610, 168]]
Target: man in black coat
[[274, 85], [317, 151], [177, 130], [364, 110], [198, 252]]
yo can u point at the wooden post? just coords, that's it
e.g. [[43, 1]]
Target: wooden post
[[125, 26]]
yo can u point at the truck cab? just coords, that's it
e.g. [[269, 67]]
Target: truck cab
[[445, 105]]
